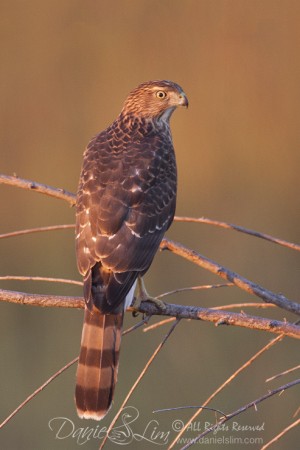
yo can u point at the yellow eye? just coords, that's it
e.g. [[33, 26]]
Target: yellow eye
[[161, 94]]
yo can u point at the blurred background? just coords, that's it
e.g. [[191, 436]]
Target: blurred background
[[66, 68]]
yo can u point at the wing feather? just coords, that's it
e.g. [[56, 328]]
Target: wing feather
[[125, 203]]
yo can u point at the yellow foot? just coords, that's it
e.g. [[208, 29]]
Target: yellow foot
[[142, 296]]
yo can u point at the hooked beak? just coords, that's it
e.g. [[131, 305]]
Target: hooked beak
[[183, 100]]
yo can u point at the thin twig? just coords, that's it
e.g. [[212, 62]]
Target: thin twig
[[226, 383], [71, 198], [158, 324], [216, 316], [30, 185], [231, 226], [135, 384], [281, 434], [195, 288], [51, 280], [269, 297], [37, 391], [137, 325], [296, 412], [180, 408], [282, 373], [36, 230], [56, 374], [244, 305], [230, 416]]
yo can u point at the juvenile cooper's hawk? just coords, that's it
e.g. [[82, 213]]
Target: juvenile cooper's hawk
[[125, 203]]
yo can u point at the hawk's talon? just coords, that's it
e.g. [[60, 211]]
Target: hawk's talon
[[158, 303], [143, 296]]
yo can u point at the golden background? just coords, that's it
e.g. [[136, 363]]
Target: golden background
[[66, 68]]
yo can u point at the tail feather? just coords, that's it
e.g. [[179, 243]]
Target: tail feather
[[98, 363]]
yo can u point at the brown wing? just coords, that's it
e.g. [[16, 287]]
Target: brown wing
[[126, 202]]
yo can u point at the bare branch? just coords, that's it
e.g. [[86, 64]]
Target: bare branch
[[61, 194], [158, 324], [233, 305], [226, 383], [195, 288], [71, 198], [218, 317], [56, 374], [279, 300], [281, 434], [245, 305], [22, 298], [37, 391], [231, 226], [176, 312], [136, 383], [137, 325], [222, 318], [252, 404], [281, 374], [179, 249], [35, 230], [50, 280]]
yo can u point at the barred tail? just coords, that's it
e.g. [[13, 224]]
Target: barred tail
[[98, 363]]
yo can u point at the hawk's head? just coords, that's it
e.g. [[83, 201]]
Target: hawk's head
[[155, 100]]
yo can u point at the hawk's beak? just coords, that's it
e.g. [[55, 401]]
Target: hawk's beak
[[183, 101]]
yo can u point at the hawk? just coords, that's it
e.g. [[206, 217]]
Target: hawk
[[125, 203]]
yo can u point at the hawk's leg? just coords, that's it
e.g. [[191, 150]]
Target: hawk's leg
[[142, 296]]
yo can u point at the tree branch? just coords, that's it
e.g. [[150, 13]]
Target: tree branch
[[269, 297], [56, 374], [281, 434], [22, 298], [36, 230], [38, 390], [71, 198], [231, 226], [47, 279], [232, 377], [218, 317], [137, 381], [61, 194], [239, 411]]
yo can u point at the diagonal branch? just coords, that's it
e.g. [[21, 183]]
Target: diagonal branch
[[137, 381], [252, 404], [269, 297], [56, 374], [38, 390], [231, 226], [281, 434], [233, 376]]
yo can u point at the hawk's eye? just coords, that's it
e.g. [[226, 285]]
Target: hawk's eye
[[161, 94]]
